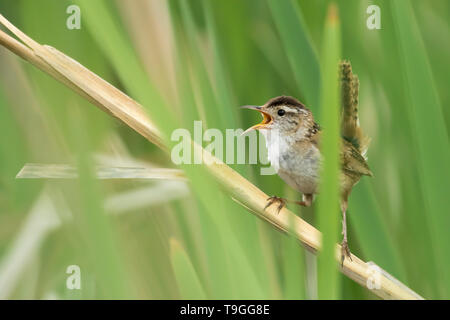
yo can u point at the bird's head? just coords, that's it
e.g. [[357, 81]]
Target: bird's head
[[285, 114]]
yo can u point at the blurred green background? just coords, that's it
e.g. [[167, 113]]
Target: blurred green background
[[200, 60]]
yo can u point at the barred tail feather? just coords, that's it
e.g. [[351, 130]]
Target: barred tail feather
[[350, 129]]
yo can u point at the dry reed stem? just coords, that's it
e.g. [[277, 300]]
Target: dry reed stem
[[67, 171], [122, 107]]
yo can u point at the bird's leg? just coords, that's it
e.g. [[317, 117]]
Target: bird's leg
[[306, 201], [345, 251]]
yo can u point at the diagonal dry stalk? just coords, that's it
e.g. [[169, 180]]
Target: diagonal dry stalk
[[122, 107]]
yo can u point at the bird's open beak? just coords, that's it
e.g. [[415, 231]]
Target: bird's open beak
[[267, 119]]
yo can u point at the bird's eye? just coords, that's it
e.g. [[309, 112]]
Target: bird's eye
[[281, 112]]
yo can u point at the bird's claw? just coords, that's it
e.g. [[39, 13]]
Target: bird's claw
[[345, 251], [272, 200]]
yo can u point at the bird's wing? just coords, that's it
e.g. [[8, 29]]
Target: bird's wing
[[350, 157], [350, 129], [352, 160]]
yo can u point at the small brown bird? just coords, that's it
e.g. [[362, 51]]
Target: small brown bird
[[293, 143]]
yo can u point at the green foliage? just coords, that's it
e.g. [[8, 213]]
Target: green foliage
[[296, 43], [430, 134], [202, 61]]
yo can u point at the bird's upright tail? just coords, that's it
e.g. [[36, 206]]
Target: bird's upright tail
[[350, 129]]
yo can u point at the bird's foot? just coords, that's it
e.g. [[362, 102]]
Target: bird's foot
[[345, 251], [273, 199]]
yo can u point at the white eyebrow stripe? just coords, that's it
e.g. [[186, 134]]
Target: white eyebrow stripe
[[289, 109]]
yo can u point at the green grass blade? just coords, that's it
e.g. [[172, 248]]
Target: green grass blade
[[328, 201], [293, 269], [299, 49], [215, 117], [430, 133], [224, 94], [376, 243], [103, 252], [187, 279]]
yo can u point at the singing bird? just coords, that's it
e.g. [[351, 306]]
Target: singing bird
[[293, 142]]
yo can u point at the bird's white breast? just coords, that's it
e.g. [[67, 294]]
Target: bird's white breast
[[297, 167]]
